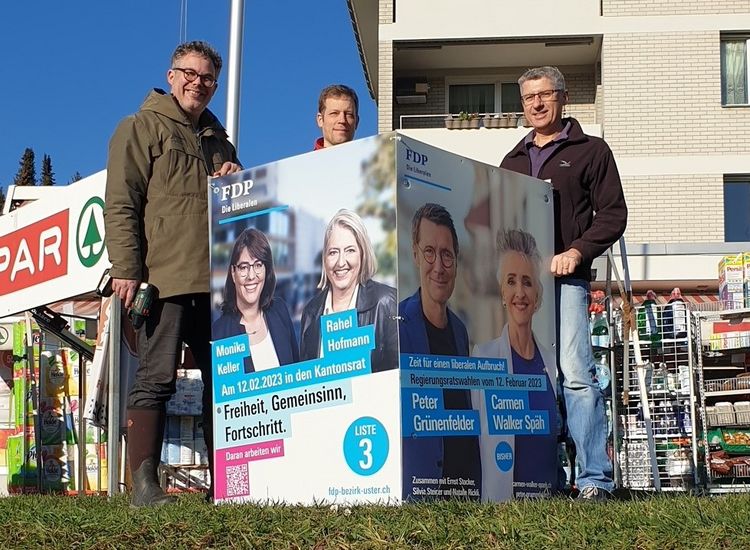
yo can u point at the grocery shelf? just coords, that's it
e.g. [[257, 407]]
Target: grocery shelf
[[722, 367], [736, 384], [669, 368], [714, 383], [680, 435], [725, 393]]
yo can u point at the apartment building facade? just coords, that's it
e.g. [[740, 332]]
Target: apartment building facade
[[665, 82]]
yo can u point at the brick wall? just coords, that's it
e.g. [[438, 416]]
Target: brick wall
[[662, 96], [599, 101], [385, 86], [385, 11], [617, 8], [435, 105], [582, 96], [667, 209]]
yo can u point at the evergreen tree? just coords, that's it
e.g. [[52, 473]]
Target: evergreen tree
[[48, 176], [27, 171], [77, 176]]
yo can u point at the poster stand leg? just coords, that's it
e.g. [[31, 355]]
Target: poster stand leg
[[113, 400], [81, 426]]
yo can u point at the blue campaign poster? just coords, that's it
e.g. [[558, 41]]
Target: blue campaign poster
[[476, 331]]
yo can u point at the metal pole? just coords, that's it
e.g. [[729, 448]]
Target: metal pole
[[31, 385], [113, 399], [234, 70], [613, 408], [82, 440]]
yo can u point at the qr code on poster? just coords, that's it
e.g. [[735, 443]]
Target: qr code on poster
[[238, 480]]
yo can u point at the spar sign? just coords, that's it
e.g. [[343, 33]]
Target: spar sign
[[53, 248], [34, 254]]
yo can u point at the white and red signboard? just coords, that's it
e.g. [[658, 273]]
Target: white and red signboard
[[53, 248]]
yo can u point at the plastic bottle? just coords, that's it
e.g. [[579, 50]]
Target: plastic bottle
[[603, 376], [675, 316], [600, 331], [688, 418], [647, 319]]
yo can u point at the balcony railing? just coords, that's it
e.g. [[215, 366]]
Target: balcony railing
[[453, 121]]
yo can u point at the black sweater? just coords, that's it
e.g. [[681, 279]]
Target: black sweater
[[585, 181]]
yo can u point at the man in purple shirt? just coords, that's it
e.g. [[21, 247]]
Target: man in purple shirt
[[590, 215]]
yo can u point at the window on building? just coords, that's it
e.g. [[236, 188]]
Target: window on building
[[511, 98], [736, 208], [278, 224], [734, 69], [484, 98], [471, 98], [281, 259]]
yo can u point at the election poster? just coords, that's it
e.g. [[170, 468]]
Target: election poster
[[304, 329], [476, 330]]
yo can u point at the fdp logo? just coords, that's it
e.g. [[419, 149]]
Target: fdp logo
[[234, 190], [415, 157], [90, 231]]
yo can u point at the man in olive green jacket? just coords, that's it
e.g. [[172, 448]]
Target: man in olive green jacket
[[156, 221]]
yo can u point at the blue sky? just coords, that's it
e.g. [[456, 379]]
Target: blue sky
[[72, 70]]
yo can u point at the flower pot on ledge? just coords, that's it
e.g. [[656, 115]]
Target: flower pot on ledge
[[492, 122]]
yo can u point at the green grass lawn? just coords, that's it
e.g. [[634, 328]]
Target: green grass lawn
[[652, 522]]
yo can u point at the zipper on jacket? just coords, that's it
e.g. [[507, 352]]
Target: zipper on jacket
[[544, 164], [208, 162]]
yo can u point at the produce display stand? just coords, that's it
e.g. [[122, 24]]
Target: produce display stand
[[52, 251], [724, 388]]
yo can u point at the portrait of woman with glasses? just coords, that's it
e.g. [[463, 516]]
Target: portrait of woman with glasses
[[249, 306], [348, 265]]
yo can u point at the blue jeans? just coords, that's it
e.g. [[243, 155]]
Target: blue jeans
[[584, 402]]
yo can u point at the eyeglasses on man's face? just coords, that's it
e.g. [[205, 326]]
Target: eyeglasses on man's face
[[208, 80], [243, 268], [544, 95], [447, 258]]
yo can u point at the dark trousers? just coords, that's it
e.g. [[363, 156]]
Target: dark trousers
[[174, 320]]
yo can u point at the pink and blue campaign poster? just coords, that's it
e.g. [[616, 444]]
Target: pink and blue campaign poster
[[360, 341], [305, 344]]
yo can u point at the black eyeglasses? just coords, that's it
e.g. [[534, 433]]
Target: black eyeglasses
[[244, 268], [544, 95], [447, 258], [208, 80]]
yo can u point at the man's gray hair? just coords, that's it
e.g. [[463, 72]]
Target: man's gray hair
[[198, 47], [553, 73]]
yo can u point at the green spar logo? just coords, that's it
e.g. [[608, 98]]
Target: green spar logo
[[3, 335], [89, 240]]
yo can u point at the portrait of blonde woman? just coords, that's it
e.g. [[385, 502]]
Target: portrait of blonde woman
[[348, 265]]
